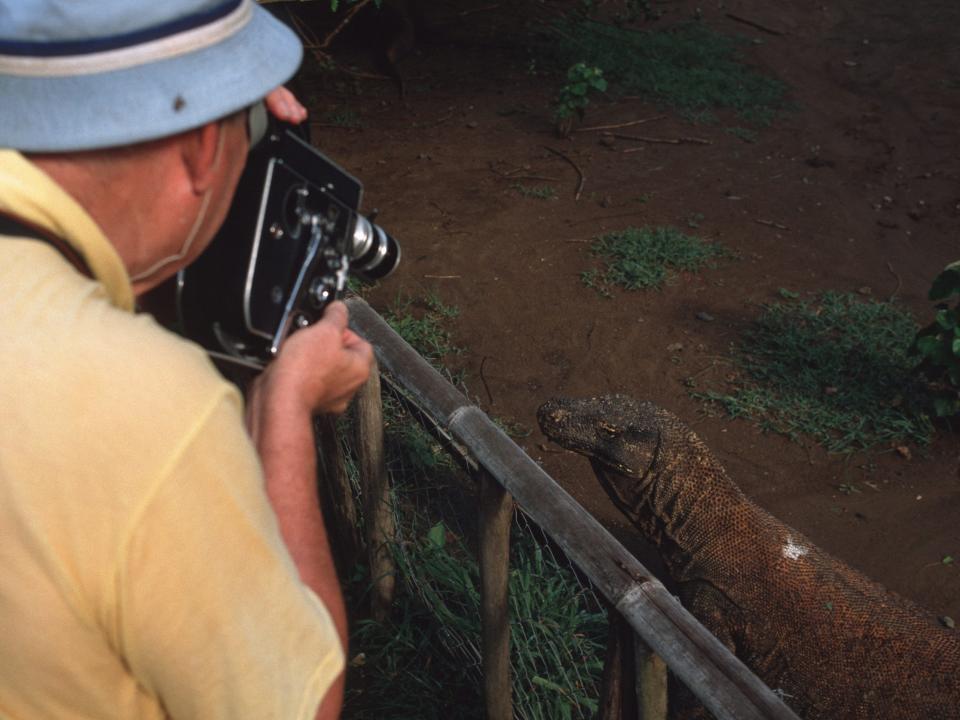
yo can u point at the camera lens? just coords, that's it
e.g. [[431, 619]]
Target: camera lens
[[374, 253]]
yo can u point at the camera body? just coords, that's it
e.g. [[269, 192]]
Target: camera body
[[290, 239]]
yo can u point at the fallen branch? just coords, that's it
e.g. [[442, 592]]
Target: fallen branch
[[483, 379], [512, 174], [581, 181], [343, 23], [771, 223], [464, 13], [899, 282], [620, 125], [753, 24], [662, 141]]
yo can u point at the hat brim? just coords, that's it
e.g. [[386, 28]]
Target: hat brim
[[88, 112]]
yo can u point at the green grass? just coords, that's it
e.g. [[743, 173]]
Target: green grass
[[834, 369], [426, 661], [689, 67], [537, 192], [341, 117], [423, 324], [642, 258]]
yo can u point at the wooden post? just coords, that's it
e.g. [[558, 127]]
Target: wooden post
[[651, 682], [611, 687], [496, 518], [618, 696], [377, 506], [336, 497]]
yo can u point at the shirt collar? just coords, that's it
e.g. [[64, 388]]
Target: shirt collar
[[30, 194]]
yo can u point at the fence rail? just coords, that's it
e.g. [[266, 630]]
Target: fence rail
[[721, 681]]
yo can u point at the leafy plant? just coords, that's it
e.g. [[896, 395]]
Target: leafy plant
[[640, 258], [689, 67], [938, 345], [572, 100], [835, 369], [421, 323]]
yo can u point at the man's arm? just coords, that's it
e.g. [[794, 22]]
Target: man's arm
[[317, 371]]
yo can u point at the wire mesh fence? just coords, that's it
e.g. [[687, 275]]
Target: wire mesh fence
[[425, 659]]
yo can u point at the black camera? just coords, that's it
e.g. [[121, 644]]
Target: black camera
[[292, 235]]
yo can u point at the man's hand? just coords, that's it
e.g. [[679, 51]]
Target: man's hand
[[318, 370], [284, 105]]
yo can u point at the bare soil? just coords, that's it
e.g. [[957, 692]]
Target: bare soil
[[856, 190]]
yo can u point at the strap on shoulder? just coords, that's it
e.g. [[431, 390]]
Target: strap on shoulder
[[10, 225]]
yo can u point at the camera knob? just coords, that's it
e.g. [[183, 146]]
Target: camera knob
[[320, 292]]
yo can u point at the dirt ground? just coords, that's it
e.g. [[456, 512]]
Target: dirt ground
[[856, 190]]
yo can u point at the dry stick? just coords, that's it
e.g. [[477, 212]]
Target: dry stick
[[512, 174], [899, 282], [771, 223], [464, 13], [663, 141], [343, 23], [483, 379], [753, 24], [620, 125], [576, 167]]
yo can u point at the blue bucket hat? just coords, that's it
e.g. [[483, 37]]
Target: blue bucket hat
[[87, 74]]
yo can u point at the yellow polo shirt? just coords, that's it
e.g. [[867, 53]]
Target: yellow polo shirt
[[142, 572]]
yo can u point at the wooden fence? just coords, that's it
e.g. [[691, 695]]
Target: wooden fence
[[659, 631]]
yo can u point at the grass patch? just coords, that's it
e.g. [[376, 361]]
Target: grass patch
[[689, 67], [341, 117], [422, 323], [427, 660], [835, 369], [537, 192], [641, 258]]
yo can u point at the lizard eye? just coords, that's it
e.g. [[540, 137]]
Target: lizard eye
[[608, 430]]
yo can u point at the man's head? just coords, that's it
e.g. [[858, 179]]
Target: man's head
[[139, 110], [87, 74]]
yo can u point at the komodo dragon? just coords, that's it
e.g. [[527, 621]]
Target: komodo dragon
[[834, 644]]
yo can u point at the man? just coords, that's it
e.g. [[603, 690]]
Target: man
[[157, 558]]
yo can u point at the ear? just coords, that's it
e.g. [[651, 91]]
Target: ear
[[199, 155]]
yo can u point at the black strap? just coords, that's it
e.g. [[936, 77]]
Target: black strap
[[10, 225]]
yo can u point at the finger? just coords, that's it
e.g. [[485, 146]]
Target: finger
[[336, 314]]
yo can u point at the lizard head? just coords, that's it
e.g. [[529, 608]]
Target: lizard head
[[619, 434]]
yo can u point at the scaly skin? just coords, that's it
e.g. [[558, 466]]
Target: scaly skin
[[834, 643]]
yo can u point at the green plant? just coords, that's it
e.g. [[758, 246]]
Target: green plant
[[422, 324], [572, 100], [938, 345], [539, 192], [341, 117], [835, 369], [640, 258], [689, 67], [745, 134]]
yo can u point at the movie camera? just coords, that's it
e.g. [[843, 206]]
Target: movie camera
[[284, 252]]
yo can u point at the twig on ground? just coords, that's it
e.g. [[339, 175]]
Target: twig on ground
[[512, 174], [576, 167], [753, 24], [443, 277], [662, 141], [343, 23], [483, 379], [899, 282], [620, 125], [464, 13], [771, 223]]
